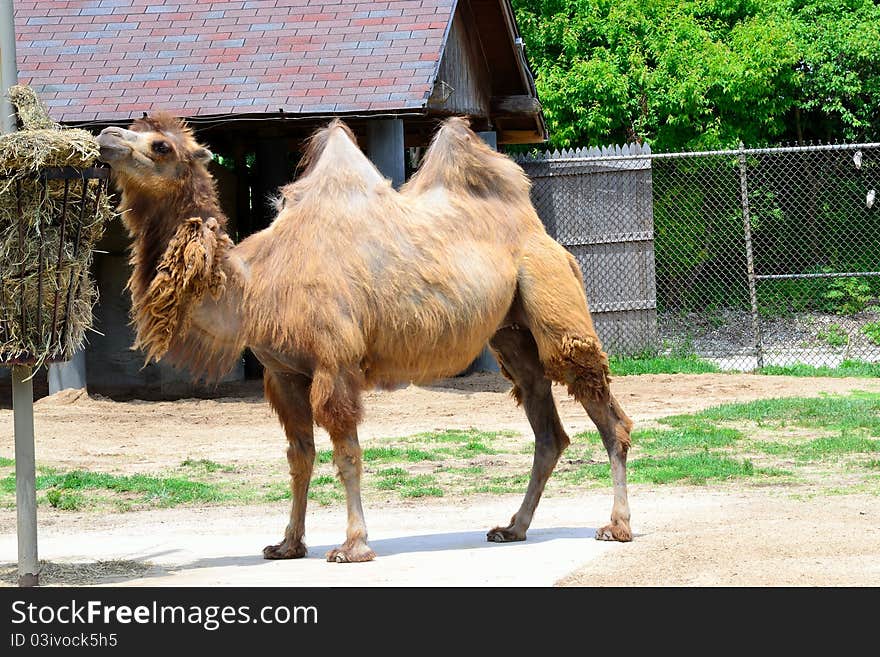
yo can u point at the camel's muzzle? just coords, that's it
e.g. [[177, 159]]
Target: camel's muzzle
[[113, 145]]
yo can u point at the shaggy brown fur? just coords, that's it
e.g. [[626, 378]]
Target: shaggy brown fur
[[189, 268], [356, 285]]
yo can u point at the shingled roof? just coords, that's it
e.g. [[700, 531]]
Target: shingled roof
[[113, 59]]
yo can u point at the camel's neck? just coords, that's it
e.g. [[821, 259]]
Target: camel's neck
[[153, 218], [185, 281]]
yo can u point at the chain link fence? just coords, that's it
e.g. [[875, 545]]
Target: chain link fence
[[747, 258]]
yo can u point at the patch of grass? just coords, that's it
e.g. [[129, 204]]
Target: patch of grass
[[392, 472], [408, 485], [697, 436], [860, 410], [422, 491], [324, 489], [873, 463], [456, 436], [467, 470], [326, 497], [822, 447], [153, 491], [205, 465], [66, 500], [848, 368], [469, 450], [692, 468], [5, 462], [626, 365], [695, 469], [385, 455], [503, 484]]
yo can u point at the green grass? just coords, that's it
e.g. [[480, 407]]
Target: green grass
[[466, 470], [848, 368], [324, 489], [695, 468], [66, 500], [326, 497], [626, 366], [385, 455], [204, 465], [5, 462], [859, 410], [407, 485], [456, 436], [144, 489], [504, 484], [700, 435], [468, 450], [822, 447]]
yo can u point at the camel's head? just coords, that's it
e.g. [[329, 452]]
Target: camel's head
[[156, 155]]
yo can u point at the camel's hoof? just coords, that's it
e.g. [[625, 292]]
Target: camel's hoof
[[619, 532], [351, 554], [284, 551], [504, 535]]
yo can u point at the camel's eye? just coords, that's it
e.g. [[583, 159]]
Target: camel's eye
[[161, 147]]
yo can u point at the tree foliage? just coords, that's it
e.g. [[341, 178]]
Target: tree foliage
[[705, 73]]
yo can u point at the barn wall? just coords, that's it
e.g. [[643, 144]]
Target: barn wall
[[463, 81]]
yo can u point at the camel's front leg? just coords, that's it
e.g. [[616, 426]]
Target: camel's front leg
[[289, 396], [347, 458]]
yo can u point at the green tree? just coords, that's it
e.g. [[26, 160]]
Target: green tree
[[704, 74]]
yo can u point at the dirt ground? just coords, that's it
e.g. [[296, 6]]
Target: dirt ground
[[724, 534]]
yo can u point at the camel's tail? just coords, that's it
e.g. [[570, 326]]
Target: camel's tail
[[459, 160]]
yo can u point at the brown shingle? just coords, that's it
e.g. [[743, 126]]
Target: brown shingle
[[113, 59]]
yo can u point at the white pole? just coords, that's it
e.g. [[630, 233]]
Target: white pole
[[8, 65], [25, 475], [22, 385]]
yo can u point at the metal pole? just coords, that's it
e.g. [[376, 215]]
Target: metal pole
[[8, 66], [25, 475], [750, 262], [22, 384]]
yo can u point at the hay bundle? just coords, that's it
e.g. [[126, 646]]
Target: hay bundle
[[48, 226]]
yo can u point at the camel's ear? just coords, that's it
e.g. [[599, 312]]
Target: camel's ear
[[203, 155]]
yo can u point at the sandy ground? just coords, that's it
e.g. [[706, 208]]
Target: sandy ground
[[149, 436], [726, 534]]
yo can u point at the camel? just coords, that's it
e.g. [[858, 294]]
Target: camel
[[356, 285]]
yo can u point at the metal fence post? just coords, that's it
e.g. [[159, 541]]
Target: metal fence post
[[750, 263]]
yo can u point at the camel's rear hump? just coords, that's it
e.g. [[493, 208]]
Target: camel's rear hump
[[460, 161]]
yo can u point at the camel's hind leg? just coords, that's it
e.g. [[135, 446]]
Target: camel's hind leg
[[289, 396], [518, 354], [555, 309]]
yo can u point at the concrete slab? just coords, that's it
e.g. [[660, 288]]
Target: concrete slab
[[429, 545]]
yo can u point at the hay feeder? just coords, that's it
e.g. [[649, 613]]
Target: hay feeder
[[47, 294], [53, 207]]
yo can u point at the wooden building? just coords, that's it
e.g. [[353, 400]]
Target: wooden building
[[255, 79]]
